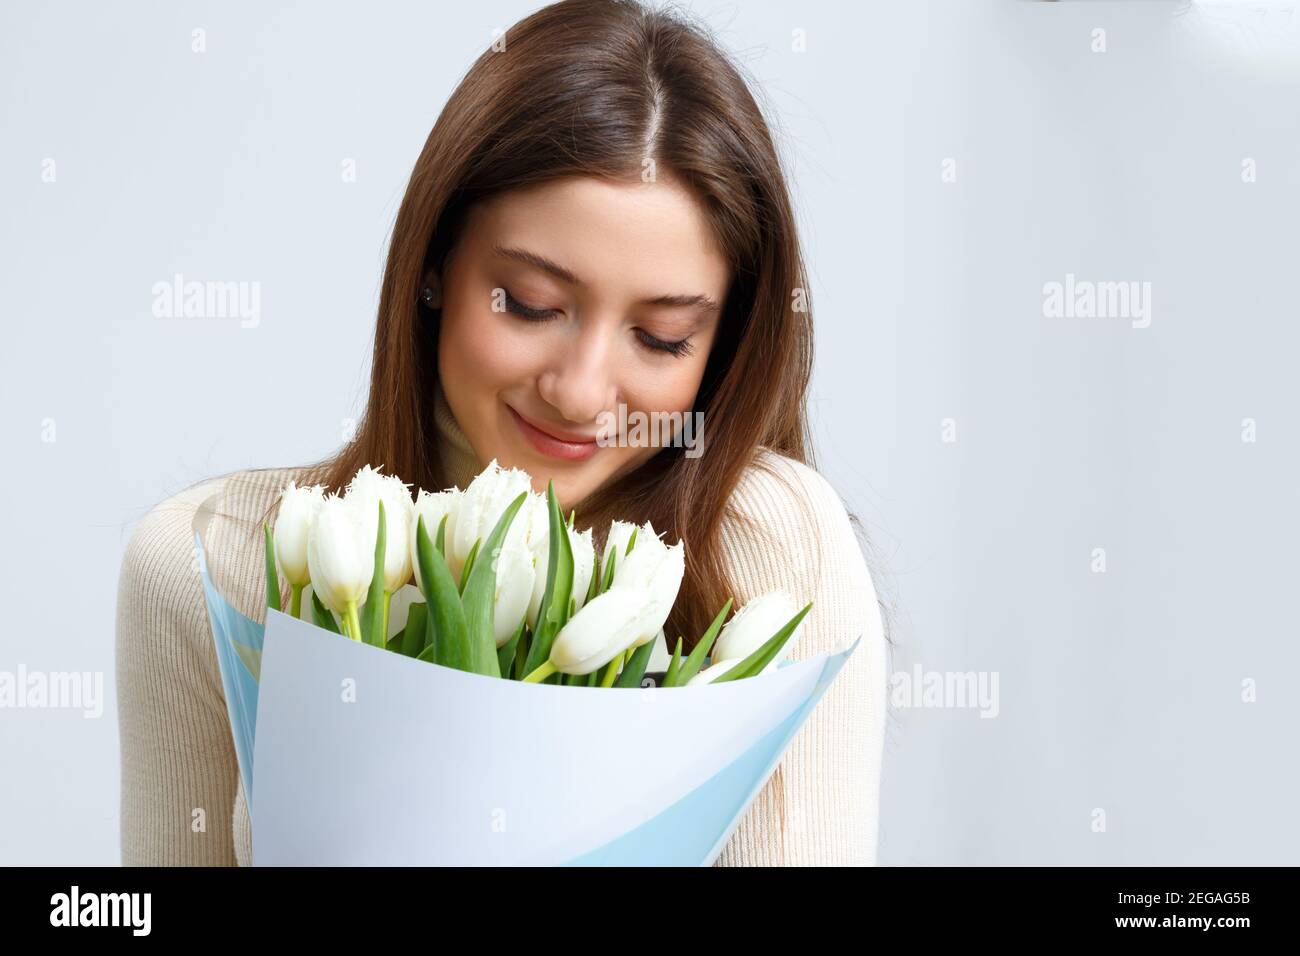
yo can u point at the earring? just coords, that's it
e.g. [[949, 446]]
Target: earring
[[427, 295]]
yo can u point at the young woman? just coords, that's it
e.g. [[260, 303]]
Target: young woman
[[597, 225]]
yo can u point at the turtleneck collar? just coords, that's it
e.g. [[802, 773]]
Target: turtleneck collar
[[458, 458]]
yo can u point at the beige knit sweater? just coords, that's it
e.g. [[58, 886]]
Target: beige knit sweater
[[182, 800]]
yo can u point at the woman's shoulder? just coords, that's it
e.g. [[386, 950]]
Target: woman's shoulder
[[775, 489], [160, 566], [240, 495], [161, 545], [787, 527]]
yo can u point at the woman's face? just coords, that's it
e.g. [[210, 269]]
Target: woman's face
[[564, 300]]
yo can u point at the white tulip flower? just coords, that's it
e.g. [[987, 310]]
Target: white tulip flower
[[531, 526], [620, 532], [432, 508], [298, 507], [584, 560], [657, 568], [754, 625], [514, 588], [366, 489], [480, 507], [340, 562], [603, 629]]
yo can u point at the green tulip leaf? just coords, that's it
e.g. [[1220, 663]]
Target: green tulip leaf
[[559, 586], [593, 586], [449, 644], [414, 635], [372, 612], [506, 653], [756, 661], [634, 669], [479, 597], [696, 659], [394, 643], [469, 565], [673, 665], [272, 577], [521, 654], [321, 615], [609, 572]]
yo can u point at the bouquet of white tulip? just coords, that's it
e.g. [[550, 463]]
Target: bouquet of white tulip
[[511, 590], [486, 583]]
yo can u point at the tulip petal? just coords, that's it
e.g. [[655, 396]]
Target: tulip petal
[[603, 631]]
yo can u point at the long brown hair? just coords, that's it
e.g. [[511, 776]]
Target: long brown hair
[[594, 88]]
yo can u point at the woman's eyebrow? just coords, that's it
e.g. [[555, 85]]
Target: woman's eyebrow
[[702, 302], [541, 262]]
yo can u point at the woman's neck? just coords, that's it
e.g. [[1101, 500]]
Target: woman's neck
[[459, 462]]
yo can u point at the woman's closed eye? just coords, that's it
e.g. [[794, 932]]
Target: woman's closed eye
[[676, 348], [679, 348], [527, 311]]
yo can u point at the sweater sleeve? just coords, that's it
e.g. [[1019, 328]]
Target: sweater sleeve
[[820, 807], [178, 767]]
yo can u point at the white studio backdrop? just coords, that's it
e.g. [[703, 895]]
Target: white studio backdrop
[[1079, 495]]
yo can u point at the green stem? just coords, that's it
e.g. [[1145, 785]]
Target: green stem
[[383, 633], [543, 671], [295, 600], [353, 624], [611, 673]]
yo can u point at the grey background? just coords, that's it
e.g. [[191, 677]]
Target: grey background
[[1120, 691]]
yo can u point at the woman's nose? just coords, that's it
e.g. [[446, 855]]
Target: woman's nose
[[578, 380]]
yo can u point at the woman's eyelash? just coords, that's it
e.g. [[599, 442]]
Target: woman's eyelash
[[518, 308], [678, 348]]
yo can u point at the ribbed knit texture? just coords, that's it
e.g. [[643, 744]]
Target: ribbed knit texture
[[820, 807]]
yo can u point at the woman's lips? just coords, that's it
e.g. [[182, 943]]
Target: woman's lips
[[555, 447]]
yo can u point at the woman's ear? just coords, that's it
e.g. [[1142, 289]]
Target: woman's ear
[[430, 291]]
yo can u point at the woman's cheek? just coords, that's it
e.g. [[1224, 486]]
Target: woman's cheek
[[486, 346], [668, 391]]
